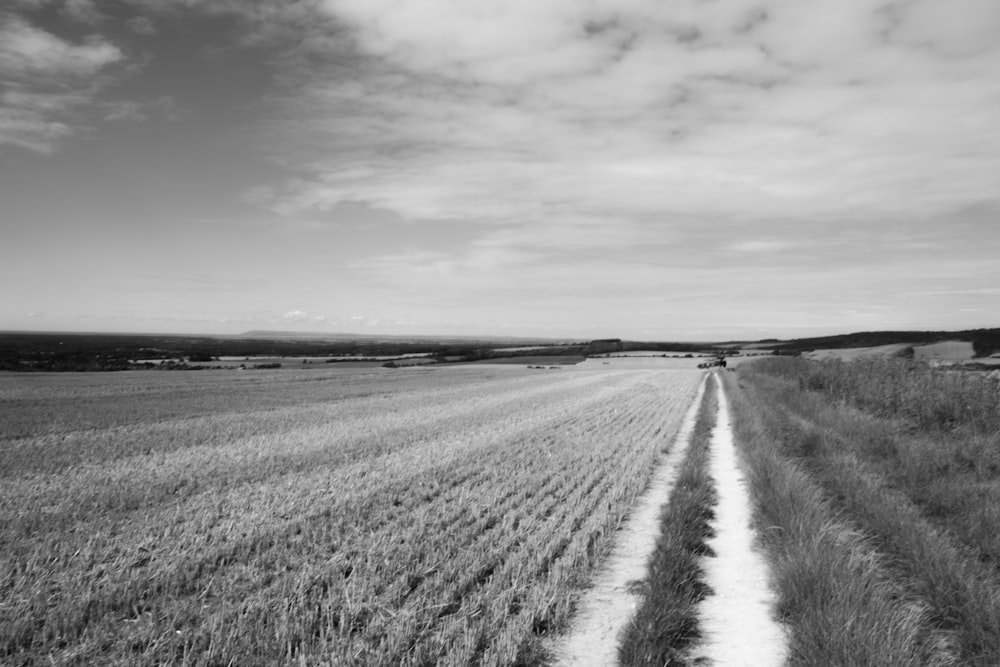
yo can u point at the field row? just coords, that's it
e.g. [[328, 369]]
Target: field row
[[60, 403], [446, 521]]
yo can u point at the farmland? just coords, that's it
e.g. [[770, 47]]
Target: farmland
[[336, 516], [457, 514]]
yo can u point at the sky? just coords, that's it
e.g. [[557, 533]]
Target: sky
[[684, 170]]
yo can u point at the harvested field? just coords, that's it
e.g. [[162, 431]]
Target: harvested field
[[946, 350], [852, 353], [553, 359], [344, 516], [609, 604]]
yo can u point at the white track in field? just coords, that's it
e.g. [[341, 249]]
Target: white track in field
[[736, 622]]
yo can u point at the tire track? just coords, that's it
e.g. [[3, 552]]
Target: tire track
[[736, 621]]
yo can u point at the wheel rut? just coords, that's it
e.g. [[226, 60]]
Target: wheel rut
[[736, 621]]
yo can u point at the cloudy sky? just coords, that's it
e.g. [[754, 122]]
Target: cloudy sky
[[688, 169]]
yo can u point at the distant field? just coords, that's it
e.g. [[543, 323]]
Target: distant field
[[949, 351], [544, 359], [648, 353], [347, 516], [852, 353], [637, 362]]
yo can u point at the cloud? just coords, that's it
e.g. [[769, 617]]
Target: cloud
[[302, 316], [636, 157], [973, 291], [31, 51], [163, 106], [561, 111], [84, 11], [47, 80], [765, 246], [958, 28], [141, 25]]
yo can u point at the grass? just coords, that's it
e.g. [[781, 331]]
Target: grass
[[665, 623], [926, 398], [341, 516], [837, 595], [948, 467], [917, 484]]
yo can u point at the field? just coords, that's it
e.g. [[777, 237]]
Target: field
[[342, 516], [945, 352], [456, 515], [877, 486]]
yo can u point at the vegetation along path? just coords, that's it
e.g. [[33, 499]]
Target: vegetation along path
[[736, 621]]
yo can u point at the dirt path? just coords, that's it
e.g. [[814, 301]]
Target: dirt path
[[736, 621], [607, 607]]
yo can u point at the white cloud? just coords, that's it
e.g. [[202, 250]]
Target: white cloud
[[763, 246], [84, 11], [31, 51], [47, 80], [141, 25], [132, 110], [637, 157], [954, 28], [303, 316], [513, 111]]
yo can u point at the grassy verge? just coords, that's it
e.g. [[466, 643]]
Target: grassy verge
[[941, 450], [665, 623], [928, 398], [924, 496], [840, 598]]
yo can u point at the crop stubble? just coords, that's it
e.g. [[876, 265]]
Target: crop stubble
[[348, 517]]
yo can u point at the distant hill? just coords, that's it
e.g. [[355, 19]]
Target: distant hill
[[50, 351], [66, 351], [399, 338], [315, 335], [984, 341]]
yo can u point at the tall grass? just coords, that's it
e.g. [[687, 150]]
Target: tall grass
[[948, 467], [839, 598], [926, 397], [666, 623], [926, 494]]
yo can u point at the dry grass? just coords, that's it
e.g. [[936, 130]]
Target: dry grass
[[925, 398], [924, 490], [329, 517], [839, 597]]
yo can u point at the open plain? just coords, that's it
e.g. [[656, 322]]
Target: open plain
[[332, 516], [468, 514]]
